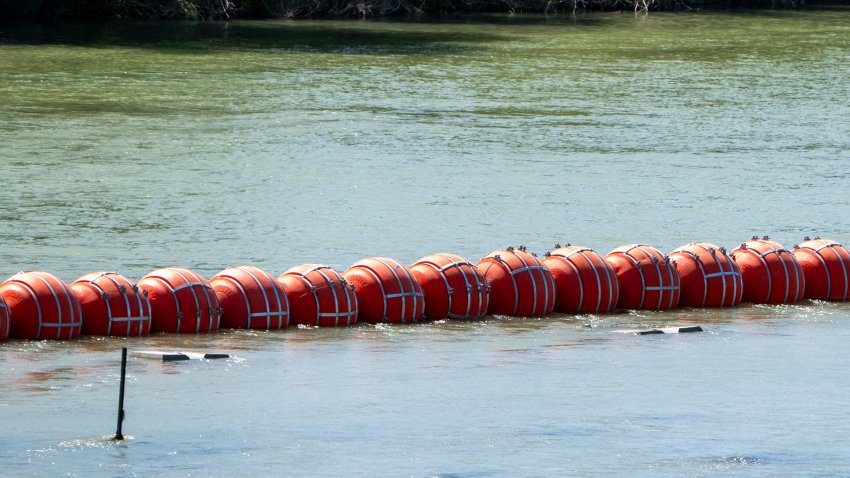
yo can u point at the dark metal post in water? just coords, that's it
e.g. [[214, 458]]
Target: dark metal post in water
[[118, 434]]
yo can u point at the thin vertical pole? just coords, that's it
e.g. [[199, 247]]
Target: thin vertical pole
[[118, 434]]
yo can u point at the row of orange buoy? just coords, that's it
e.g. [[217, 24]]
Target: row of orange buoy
[[512, 281]]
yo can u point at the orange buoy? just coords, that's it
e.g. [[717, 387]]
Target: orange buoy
[[709, 277], [647, 279], [112, 305], [181, 301], [770, 272], [826, 267], [386, 291], [250, 298], [520, 285], [319, 296], [5, 321], [584, 282], [41, 306], [453, 287]]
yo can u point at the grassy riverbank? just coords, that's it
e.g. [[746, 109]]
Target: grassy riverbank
[[223, 9]]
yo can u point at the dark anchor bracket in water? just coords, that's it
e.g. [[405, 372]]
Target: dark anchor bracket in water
[[165, 357], [663, 330]]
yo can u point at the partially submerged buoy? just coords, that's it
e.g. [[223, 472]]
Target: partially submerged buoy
[[520, 285], [647, 279], [181, 301], [826, 267], [386, 291], [250, 298], [453, 287], [584, 282], [41, 306], [112, 305], [319, 296], [770, 272], [708, 276]]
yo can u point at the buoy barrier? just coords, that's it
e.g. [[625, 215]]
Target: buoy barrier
[[386, 291], [770, 272], [319, 296], [41, 306], [708, 276], [454, 288], [112, 305], [250, 298], [5, 321], [584, 282], [181, 301], [826, 266], [520, 285], [513, 282], [647, 278]]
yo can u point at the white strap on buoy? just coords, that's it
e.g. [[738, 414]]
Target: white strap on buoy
[[525, 267], [208, 291], [449, 296], [336, 314], [58, 305], [188, 284], [402, 294], [834, 247], [566, 260], [268, 314], [694, 257], [530, 269], [129, 318], [244, 296], [76, 319], [282, 310], [588, 254], [350, 299], [661, 287], [736, 275], [778, 251], [503, 263], [465, 268], [722, 273], [639, 268], [331, 283], [34, 296], [312, 289], [480, 286]]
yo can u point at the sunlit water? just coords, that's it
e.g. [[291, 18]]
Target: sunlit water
[[134, 146]]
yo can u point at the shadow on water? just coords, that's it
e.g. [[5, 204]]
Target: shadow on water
[[421, 34], [334, 37]]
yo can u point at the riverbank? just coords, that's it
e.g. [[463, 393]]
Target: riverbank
[[231, 9]]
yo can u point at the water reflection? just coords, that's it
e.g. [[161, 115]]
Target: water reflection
[[350, 38]]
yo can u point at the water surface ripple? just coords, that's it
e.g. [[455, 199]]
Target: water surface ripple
[[128, 146]]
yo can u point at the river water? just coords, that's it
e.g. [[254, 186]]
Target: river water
[[128, 147]]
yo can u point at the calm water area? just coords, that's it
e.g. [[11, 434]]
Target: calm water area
[[133, 146]]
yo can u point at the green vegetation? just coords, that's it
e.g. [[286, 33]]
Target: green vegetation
[[223, 9]]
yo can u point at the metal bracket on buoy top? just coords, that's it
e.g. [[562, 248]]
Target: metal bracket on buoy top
[[663, 330], [177, 356]]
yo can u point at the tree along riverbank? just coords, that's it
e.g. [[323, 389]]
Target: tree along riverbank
[[225, 9]]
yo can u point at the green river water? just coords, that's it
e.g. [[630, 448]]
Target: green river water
[[133, 146]]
